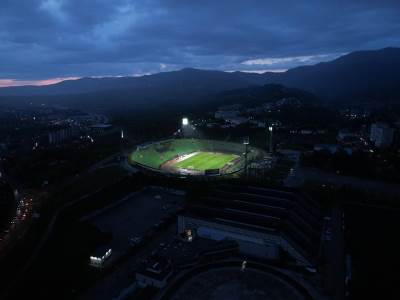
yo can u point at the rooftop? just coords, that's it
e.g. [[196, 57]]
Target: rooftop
[[265, 210]]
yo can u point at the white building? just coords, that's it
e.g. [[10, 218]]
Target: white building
[[100, 256], [381, 135]]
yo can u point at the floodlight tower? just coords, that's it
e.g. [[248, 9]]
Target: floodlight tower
[[185, 124], [122, 143], [246, 151], [270, 129]]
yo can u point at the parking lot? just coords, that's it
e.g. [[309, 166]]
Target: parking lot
[[136, 215]]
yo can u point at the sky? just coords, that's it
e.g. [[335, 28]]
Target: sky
[[45, 41]]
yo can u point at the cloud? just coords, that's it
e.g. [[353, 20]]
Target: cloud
[[16, 82], [42, 39], [260, 71], [54, 8], [122, 20], [297, 59]]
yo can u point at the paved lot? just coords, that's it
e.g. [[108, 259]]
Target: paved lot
[[135, 215]]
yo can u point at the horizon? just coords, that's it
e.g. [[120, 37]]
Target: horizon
[[125, 38], [5, 83], [50, 81]]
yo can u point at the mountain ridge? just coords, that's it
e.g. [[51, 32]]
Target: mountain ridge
[[367, 75]]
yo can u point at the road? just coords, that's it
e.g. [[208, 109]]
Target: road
[[35, 252], [49, 229]]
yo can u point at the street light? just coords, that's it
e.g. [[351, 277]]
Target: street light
[[185, 121]]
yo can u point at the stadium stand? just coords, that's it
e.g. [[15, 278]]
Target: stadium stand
[[288, 221]]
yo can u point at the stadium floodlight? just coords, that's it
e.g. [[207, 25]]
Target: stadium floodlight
[[271, 147], [246, 142], [185, 121]]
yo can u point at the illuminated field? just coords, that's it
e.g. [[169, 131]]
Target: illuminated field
[[205, 160], [193, 156]]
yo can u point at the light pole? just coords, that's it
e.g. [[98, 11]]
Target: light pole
[[122, 143], [245, 143], [270, 129], [185, 123]]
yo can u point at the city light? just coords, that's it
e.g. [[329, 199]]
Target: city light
[[185, 121], [270, 128]]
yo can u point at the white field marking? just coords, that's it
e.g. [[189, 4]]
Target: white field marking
[[186, 156]]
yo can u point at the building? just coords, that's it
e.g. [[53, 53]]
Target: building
[[306, 131], [230, 107], [288, 102], [100, 128], [182, 253], [381, 135], [224, 114], [332, 148], [7, 203], [100, 256], [258, 124], [60, 135], [255, 110], [268, 106], [264, 222], [345, 134], [234, 121], [154, 273]]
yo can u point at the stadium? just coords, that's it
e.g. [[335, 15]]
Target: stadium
[[197, 157]]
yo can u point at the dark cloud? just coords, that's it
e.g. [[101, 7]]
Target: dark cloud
[[42, 39]]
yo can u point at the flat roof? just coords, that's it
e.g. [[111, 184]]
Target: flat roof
[[101, 250], [101, 126]]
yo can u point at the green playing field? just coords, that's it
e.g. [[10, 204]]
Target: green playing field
[[205, 160]]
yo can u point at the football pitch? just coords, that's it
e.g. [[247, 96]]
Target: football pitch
[[205, 161]]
